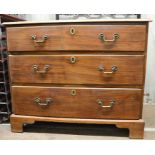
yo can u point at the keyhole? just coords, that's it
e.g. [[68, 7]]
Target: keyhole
[[73, 60], [73, 92], [72, 31]]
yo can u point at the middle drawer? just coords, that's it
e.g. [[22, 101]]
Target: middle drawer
[[77, 69]]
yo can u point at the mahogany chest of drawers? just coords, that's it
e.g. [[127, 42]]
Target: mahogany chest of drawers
[[78, 72]]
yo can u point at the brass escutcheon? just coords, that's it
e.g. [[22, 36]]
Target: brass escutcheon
[[72, 31], [73, 92], [72, 59]]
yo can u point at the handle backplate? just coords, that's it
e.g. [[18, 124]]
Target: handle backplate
[[44, 71], [114, 69], [102, 37], [101, 103], [38, 101], [44, 38]]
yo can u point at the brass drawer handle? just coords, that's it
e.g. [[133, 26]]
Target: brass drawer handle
[[44, 71], [114, 69], [72, 60], [44, 38], [72, 30], [37, 100], [101, 103], [115, 36]]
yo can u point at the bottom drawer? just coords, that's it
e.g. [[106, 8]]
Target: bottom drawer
[[107, 103]]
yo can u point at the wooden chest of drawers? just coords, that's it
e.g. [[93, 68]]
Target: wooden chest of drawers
[[78, 72]]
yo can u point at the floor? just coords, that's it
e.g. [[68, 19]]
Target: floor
[[60, 131]]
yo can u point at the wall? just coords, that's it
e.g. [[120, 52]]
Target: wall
[[40, 17], [150, 74]]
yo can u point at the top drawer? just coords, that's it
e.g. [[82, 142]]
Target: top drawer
[[77, 37]]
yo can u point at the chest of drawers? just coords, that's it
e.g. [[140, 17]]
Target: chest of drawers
[[78, 72]]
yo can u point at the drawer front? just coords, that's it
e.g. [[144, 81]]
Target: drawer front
[[77, 37], [106, 38], [36, 38], [77, 102], [77, 69]]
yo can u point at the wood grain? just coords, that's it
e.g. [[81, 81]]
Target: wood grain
[[82, 105], [132, 38], [83, 71], [23, 41]]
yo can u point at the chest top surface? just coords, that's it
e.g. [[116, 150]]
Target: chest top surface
[[77, 21]]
